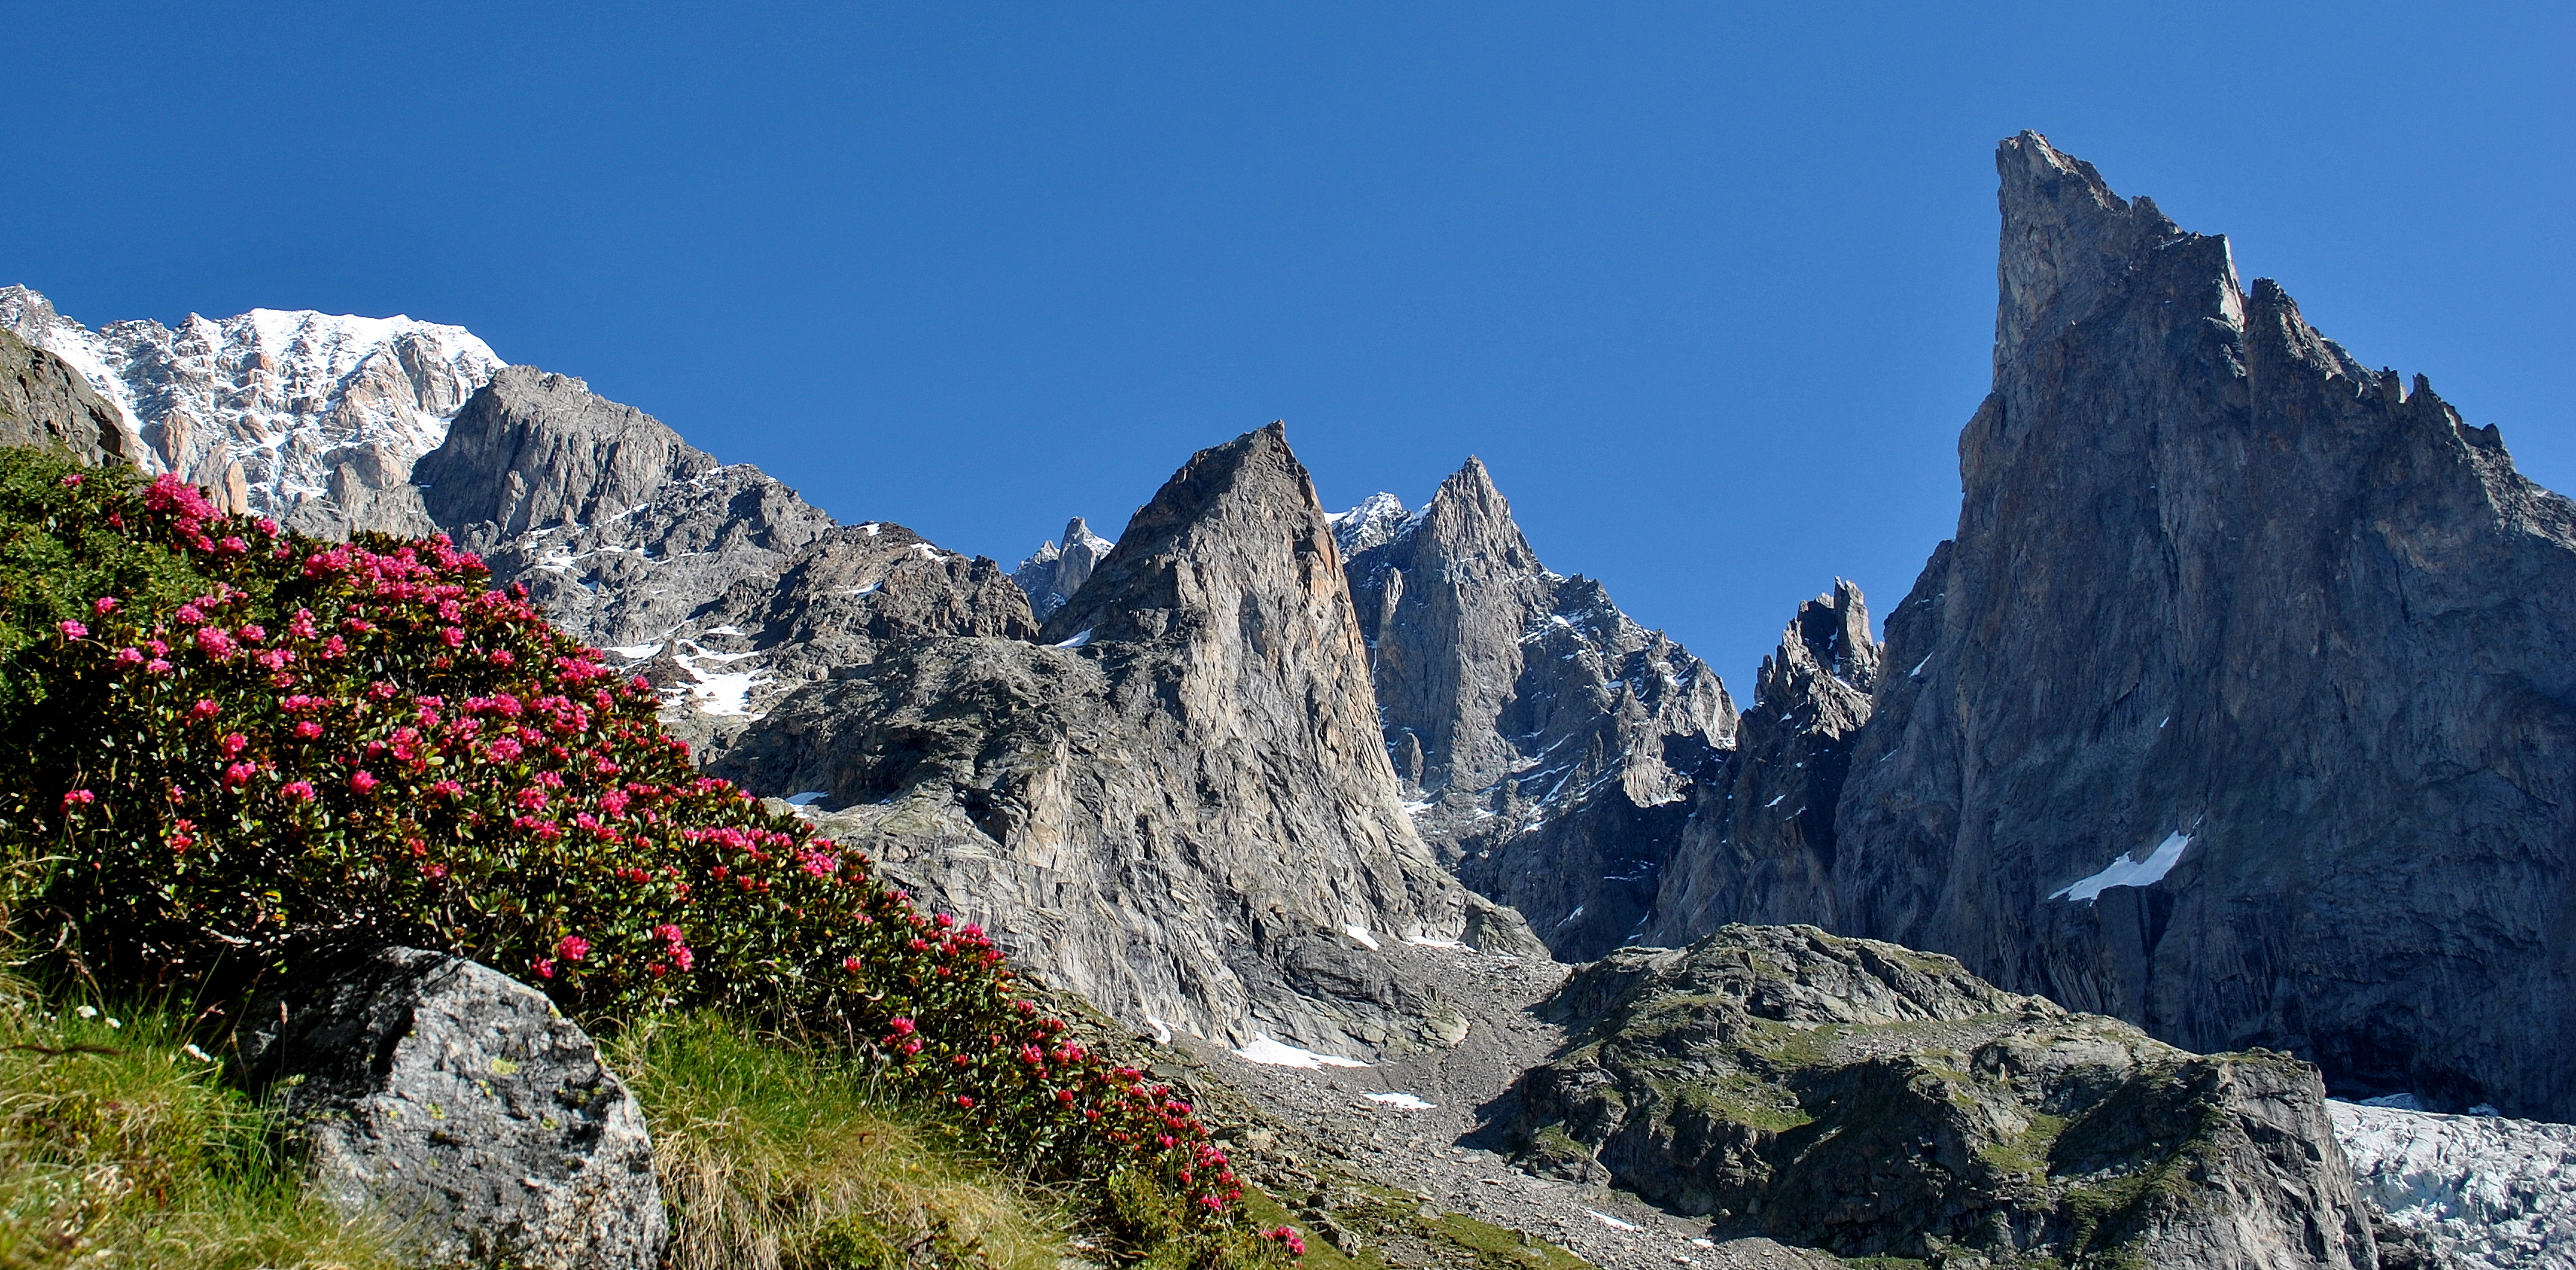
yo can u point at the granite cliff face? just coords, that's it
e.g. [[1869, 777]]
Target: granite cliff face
[[1176, 802], [2243, 705], [713, 580], [1877, 1102], [1547, 740], [45, 402], [312, 418]]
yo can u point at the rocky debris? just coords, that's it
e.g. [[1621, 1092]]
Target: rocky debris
[[1873, 1101], [2477, 1192], [1547, 740], [1051, 575], [714, 581], [457, 1103], [1759, 841], [2242, 706], [1175, 804], [45, 402], [312, 418]]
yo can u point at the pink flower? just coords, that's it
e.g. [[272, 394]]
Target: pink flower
[[902, 1027], [129, 657], [852, 963], [73, 481], [572, 947], [447, 789], [214, 643], [300, 791], [239, 774], [234, 743], [362, 782], [190, 614], [78, 798], [308, 729], [204, 709], [105, 605], [505, 749], [454, 636], [544, 966], [157, 666], [74, 630]]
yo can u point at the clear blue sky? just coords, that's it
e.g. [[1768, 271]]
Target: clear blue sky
[[1710, 288]]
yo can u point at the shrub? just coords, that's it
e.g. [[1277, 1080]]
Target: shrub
[[250, 752]]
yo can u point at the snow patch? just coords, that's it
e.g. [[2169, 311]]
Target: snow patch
[[1162, 1030], [1406, 1101], [634, 652], [1361, 934], [1082, 640], [807, 798], [1425, 941], [1610, 1221], [1270, 1053], [2129, 871]]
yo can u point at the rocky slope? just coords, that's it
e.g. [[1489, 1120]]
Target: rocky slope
[[1052, 574], [1547, 741], [715, 581], [2483, 1192], [1873, 1101], [311, 418], [1175, 803], [45, 402], [2242, 705]]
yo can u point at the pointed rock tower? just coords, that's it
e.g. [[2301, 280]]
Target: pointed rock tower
[[1547, 740], [1175, 802], [2244, 703]]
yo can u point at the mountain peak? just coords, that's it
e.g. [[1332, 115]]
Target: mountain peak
[[2067, 239]]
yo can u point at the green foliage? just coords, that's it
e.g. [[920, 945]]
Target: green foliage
[[119, 1145], [779, 1152], [258, 752]]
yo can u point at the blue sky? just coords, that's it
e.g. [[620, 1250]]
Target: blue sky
[[1710, 289]]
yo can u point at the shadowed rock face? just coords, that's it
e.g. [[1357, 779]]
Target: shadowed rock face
[[714, 581], [1548, 740], [1759, 843], [44, 402], [1874, 1101], [1176, 803], [2219, 588]]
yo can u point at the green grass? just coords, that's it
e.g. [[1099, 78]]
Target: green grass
[[118, 1147], [772, 1154]]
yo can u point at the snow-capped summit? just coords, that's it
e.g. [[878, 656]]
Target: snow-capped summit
[[1377, 520], [310, 417]]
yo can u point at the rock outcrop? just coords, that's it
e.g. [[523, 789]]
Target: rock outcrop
[[1877, 1102], [1548, 741], [2480, 1192], [1052, 574], [715, 581], [1759, 841], [45, 402], [1175, 803], [458, 1106], [312, 418], [2243, 705]]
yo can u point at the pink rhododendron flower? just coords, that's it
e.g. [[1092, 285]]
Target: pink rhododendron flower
[[78, 798], [104, 605], [300, 791], [205, 708], [572, 947], [74, 630], [362, 782], [239, 774]]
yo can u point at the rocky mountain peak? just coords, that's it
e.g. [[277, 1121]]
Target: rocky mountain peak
[[1379, 517], [1829, 638], [2067, 240], [536, 449], [1052, 574], [2238, 649], [312, 418]]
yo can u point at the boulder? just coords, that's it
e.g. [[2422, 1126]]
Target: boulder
[[460, 1104]]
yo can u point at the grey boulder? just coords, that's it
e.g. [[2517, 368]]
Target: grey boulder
[[458, 1103]]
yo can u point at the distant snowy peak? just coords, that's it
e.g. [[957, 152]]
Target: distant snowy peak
[[1052, 574], [313, 418], [1376, 521]]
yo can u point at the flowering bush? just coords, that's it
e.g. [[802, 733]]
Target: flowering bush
[[246, 751]]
